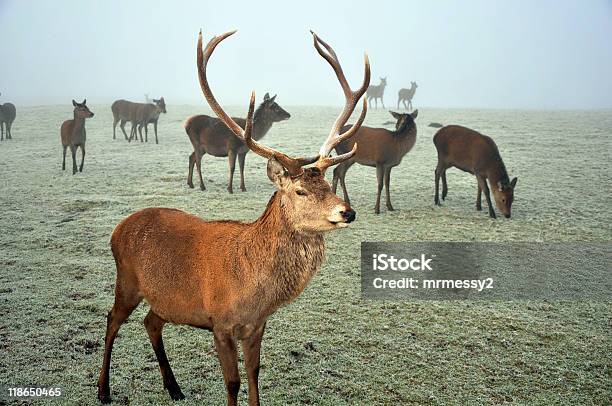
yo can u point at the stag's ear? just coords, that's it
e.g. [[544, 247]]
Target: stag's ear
[[415, 114], [266, 96], [277, 173], [74, 103], [84, 101], [272, 99], [513, 182], [395, 115], [155, 100]]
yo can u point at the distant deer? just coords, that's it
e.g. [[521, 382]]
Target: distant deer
[[380, 148], [228, 276], [8, 112], [405, 96], [124, 111], [377, 92], [73, 134], [477, 154], [210, 135], [146, 114]]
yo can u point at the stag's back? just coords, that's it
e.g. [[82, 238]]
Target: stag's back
[[124, 110], [8, 112], [465, 148]]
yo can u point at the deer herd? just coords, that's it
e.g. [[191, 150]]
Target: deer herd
[[230, 276]]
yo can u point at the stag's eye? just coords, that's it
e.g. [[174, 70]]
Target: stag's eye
[[301, 192]]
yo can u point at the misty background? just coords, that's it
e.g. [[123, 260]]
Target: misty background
[[483, 54]]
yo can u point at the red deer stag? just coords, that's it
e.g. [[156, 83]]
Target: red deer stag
[[377, 92], [230, 276], [73, 134], [149, 114], [380, 148], [8, 112], [405, 96], [477, 154], [124, 111], [209, 135]]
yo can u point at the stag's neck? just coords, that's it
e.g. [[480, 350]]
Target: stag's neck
[[285, 259], [497, 172], [261, 124], [79, 124]]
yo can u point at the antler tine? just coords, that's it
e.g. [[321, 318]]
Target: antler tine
[[351, 98], [293, 165]]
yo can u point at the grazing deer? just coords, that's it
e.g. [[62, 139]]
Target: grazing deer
[[380, 148], [477, 154], [405, 96], [73, 134], [376, 92], [230, 276], [8, 112], [124, 111], [146, 114], [209, 135]]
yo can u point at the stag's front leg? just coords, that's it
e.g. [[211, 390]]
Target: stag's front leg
[[251, 348], [479, 199], [380, 173], [241, 158], [228, 357], [74, 165], [65, 147], [231, 156], [146, 127], [155, 129], [82, 157], [444, 185], [482, 182], [387, 184]]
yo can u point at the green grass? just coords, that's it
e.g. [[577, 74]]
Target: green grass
[[330, 346]]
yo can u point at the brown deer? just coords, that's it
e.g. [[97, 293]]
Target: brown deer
[[380, 148], [8, 112], [73, 134], [228, 276], [124, 111], [377, 92], [405, 96], [477, 154], [146, 114], [209, 135]]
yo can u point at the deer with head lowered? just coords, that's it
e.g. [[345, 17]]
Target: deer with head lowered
[[477, 154], [210, 135], [405, 96], [230, 276], [8, 112], [377, 92], [73, 134], [380, 148], [137, 114]]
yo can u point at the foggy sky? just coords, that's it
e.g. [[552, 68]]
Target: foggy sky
[[485, 54]]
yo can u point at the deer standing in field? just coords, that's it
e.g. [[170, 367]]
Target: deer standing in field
[[377, 92], [73, 134], [210, 135], [477, 154], [8, 112], [230, 276], [380, 148], [405, 96], [149, 114], [135, 113]]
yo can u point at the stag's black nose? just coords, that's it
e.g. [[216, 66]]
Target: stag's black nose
[[349, 215]]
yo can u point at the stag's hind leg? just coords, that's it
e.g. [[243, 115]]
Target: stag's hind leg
[[154, 325], [122, 126], [73, 150], [444, 185], [65, 147], [82, 157], [231, 157], [126, 300], [192, 161], [198, 161], [339, 175], [115, 121], [479, 199], [241, 158], [380, 172]]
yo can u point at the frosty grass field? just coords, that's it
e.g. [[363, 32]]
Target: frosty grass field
[[330, 346]]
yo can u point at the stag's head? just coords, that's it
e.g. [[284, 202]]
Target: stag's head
[[271, 111], [383, 81], [160, 104], [81, 110], [306, 197], [404, 120], [503, 194]]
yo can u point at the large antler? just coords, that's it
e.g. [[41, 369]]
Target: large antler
[[293, 165], [351, 98]]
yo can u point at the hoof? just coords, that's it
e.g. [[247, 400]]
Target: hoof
[[177, 395], [202, 187], [243, 189], [376, 210], [479, 208], [390, 208], [104, 398], [230, 191], [190, 185]]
